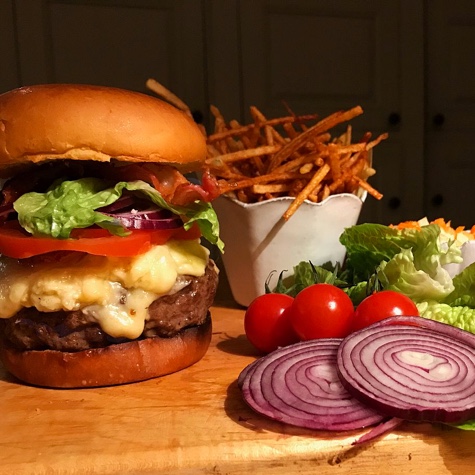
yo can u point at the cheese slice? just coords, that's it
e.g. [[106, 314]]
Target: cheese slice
[[114, 292]]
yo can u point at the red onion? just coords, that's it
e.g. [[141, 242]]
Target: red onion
[[123, 203], [131, 213], [148, 219], [379, 430], [411, 368], [299, 385]]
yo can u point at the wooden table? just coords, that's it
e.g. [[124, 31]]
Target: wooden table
[[195, 421]]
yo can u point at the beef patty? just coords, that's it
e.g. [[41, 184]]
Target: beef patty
[[69, 331]]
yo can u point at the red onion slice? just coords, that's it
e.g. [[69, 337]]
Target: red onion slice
[[124, 202], [148, 219], [411, 368], [299, 385], [379, 431]]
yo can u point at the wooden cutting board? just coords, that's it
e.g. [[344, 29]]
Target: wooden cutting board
[[195, 421]]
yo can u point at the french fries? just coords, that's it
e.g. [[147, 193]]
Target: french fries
[[167, 95], [294, 155]]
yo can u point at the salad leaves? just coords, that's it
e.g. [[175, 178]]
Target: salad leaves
[[414, 262], [457, 316], [73, 204], [417, 268], [408, 261]]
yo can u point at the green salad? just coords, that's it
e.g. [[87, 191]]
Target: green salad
[[417, 262]]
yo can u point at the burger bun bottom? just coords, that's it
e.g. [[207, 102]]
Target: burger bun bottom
[[121, 363]]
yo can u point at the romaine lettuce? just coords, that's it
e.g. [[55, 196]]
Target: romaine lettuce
[[402, 275], [410, 261], [458, 316], [464, 288]]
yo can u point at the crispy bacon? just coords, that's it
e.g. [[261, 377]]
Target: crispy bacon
[[210, 185], [175, 188], [187, 193]]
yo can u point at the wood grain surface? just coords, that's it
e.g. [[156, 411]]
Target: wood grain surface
[[195, 421]]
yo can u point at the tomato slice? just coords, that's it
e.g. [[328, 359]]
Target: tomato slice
[[17, 244]]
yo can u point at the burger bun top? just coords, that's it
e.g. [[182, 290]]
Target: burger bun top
[[83, 122]]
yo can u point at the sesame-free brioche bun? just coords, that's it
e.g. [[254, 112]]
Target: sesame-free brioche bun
[[83, 122], [121, 363]]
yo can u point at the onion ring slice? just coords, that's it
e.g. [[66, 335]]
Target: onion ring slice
[[298, 385], [411, 368]]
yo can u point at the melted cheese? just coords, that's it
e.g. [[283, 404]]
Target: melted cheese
[[114, 292]]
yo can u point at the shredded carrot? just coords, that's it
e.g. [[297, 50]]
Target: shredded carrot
[[444, 225], [406, 225]]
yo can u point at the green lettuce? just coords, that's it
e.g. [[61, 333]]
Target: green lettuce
[[413, 262], [410, 261], [464, 288], [368, 245], [69, 205], [418, 281], [457, 316], [469, 425]]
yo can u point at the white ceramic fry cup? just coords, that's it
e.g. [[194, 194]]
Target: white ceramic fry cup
[[259, 241]]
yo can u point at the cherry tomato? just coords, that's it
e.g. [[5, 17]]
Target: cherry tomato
[[16, 243], [321, 311], [267, 324], [380, 305]]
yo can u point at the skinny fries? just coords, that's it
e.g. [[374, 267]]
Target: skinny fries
[[295, 155]]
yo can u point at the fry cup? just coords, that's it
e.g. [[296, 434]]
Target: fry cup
[[259, 241]]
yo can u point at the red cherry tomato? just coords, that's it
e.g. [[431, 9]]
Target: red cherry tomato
[[267, 323], [321, 311], [381, 305]]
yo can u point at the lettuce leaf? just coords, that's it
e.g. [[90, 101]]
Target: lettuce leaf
[[402, 274], [410, 261], [358, 292], [68, 205], [464, 288], [458, 316], [469, 425], [367, 245]]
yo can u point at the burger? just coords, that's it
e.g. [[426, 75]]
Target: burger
[[104, 278]]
